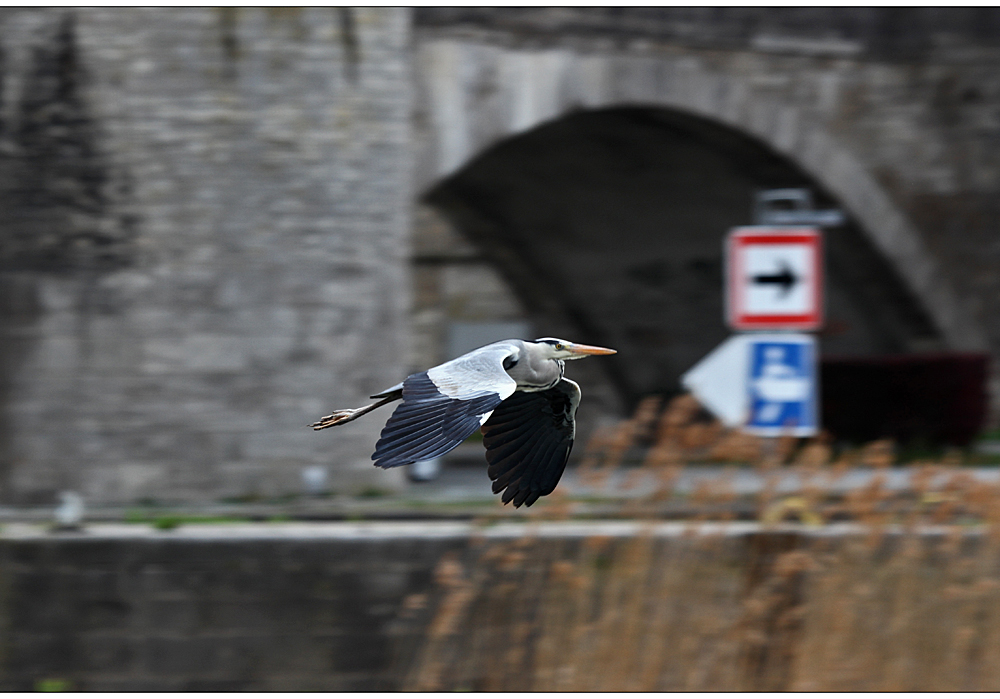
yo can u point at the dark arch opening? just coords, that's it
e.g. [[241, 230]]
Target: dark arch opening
[[608, 225]]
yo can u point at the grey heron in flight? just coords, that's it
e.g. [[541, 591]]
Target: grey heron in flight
[[514, 390]]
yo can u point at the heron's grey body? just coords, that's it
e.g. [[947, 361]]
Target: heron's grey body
[[514, 390]]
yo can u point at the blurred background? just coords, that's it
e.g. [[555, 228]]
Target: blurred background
[[218, 225]]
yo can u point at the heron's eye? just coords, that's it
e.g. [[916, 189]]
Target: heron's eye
[[560, 346]]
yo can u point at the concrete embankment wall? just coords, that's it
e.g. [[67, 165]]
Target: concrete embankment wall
[[558, 605], [117, 609]]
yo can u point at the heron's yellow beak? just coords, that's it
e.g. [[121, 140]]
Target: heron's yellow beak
[[584, 350]]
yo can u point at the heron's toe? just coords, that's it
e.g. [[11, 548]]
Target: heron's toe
[[334, 418]]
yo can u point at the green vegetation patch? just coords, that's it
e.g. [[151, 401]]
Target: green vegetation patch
[[53, 684]]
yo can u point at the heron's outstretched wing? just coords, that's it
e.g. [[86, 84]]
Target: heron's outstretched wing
[[444, 405], [528, 439]]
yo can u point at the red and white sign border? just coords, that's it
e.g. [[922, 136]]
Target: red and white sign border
[[776, 235]]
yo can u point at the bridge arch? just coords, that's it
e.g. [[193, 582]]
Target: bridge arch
[[472, 94]]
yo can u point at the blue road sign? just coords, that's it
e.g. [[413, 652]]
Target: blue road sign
[[781, 385]]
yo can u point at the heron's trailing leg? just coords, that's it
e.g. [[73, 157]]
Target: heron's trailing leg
[[339, 417]]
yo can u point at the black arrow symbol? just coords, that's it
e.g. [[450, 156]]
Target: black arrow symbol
[[786, 278]]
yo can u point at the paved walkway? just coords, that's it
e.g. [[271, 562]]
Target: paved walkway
[[21, 531], [469, 483], [464, 492]]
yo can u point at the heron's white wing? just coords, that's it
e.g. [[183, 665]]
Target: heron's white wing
[[442, 406], [477, 372], [528, 440]]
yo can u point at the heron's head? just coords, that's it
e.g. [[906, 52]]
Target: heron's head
[[554, 348]]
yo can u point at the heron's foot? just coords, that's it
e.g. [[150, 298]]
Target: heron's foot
[[339, 417], [335, 418]]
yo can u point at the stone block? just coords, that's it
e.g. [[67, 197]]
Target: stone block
[[367, 653], [34, 656], [248, 616], [102, 614], [106, 655], [99, 583], [182, 616], [179, 657], [163, 581], [274, 653]]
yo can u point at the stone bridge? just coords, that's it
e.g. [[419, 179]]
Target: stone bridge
[[219, 224], [597, 157]]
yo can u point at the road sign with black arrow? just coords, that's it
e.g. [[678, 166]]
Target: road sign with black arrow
[[774, 278]]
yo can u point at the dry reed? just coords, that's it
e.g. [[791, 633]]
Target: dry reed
[[894, 607]]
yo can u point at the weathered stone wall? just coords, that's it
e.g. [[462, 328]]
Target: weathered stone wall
[[301, 607], [453, 283], [547, 606], [202, 245], [204, 214], [127, 613]]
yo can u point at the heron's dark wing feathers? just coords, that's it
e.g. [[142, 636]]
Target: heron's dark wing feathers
[[442, 406], [428, 423], [528, 440]]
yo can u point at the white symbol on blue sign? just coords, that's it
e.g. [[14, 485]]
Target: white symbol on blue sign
[[781, 386]]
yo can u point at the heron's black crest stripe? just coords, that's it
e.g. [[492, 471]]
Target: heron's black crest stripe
[[528, 441], [428, 423]]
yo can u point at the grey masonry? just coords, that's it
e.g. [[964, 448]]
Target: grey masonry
[[205, 227], [207, 216]]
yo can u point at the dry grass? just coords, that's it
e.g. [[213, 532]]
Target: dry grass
[[896, 606]]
